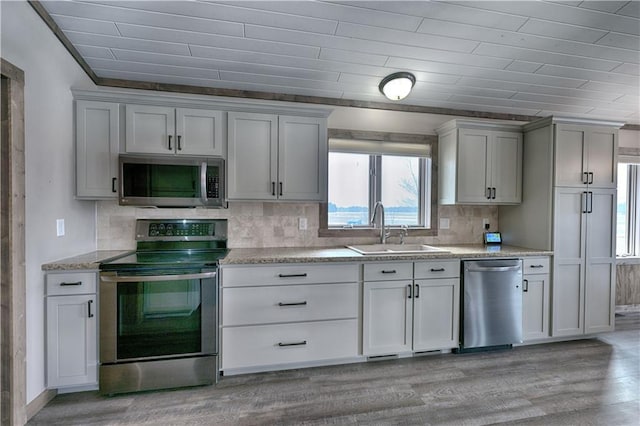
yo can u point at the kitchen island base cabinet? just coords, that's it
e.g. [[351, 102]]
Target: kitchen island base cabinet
[[72, 342]]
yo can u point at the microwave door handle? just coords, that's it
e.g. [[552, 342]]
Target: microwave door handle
[[203, 182]]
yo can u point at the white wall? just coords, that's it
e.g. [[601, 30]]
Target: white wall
[[49, 73]]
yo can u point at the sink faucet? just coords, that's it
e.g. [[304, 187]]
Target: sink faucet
[[379, 208]]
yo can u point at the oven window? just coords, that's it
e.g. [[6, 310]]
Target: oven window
[[159, 318]]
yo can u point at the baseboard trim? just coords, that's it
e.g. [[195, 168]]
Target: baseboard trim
[[39, 402]]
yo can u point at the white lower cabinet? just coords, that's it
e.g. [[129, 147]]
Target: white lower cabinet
[[535, 298], [288, 315], [417, 312], [72, 339]]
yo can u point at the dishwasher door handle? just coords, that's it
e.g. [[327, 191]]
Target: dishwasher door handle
[[495, 269]]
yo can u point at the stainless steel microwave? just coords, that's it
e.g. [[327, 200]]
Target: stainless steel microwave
[[184, 181]]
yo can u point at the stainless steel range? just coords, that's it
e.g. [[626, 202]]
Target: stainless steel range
[[159, 307]]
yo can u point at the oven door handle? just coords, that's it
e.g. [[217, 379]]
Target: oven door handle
[[138, 278]]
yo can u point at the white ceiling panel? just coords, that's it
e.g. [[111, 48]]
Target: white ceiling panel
[[350, 12], [604, 6], [561, 31], [97, 52], [560, 13], [632, 8], [443, 11], [88, 39], [141, 17], [352, 57], [71, 23], [192, 62], [511, 57], [607, 77], [285, 61], [623, 41], [545, 57], [368, 32], [201, 39]]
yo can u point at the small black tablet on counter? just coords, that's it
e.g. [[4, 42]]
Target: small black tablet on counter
[[492, 238]]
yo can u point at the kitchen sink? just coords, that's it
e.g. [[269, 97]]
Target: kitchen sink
[[379, 249]]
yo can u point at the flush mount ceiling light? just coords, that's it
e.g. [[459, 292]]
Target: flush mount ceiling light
[[397, 86]]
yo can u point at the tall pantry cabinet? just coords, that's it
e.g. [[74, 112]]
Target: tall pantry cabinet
[[569, 176]]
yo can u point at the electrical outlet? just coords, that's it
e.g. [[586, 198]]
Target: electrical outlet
[[60, 227], [302, 223], [444, 223], [485, 222]]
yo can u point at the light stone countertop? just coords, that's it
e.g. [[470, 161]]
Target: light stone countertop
[[341, 254], [244, 256], [87, 261]]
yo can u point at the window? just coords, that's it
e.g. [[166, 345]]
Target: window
[[628, 212], [362, 172], [358, 181]]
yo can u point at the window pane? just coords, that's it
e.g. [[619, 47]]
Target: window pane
[[623, 196], [348, 189], [401, 190]]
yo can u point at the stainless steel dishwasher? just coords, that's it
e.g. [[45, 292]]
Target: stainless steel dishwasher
[[492, 303]]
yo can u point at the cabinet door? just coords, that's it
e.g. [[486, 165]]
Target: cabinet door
[[387, 317], [569, 236], [570, 165], [600, 261], [71, 341], [472, 166], [506, 167], [150, 129], [535, 307], [302, 158], [601, 149], [252, 156], [199, 132], [97, 146], [436, 314]]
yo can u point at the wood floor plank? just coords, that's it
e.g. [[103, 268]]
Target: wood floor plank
[[586, 382]]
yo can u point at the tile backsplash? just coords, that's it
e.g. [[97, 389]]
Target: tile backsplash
[[258, 224]]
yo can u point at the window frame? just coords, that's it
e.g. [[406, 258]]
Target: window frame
[[632, 223], [429, 190]]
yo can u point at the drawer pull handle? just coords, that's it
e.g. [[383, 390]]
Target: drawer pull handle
[[437, 269], [525, 286], [389, 271], [292, 275], [73, 283], [537, 266], [293, 304], [89, 303], [304, 342]]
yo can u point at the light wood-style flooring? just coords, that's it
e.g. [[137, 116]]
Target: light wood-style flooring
[[583, 382]]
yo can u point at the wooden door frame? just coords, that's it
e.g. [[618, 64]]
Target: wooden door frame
[[12, 249]]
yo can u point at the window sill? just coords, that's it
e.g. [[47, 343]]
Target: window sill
[[372, 232], [628, 260]]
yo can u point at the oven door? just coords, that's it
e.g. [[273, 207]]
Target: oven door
[[145, 318]]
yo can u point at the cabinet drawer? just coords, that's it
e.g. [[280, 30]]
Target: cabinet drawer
[[437, 269], [279, 344], [288, 274], [71, 283], [535, 265], [267, 304], [388, 271]]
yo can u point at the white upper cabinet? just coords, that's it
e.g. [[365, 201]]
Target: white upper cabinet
[[585, 156], [167, 130], [97, 145], [480, 163], [273, 157]]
